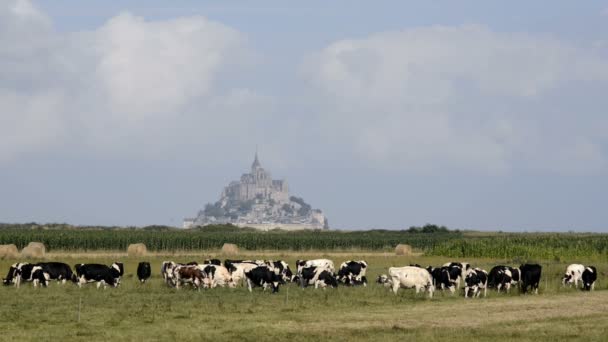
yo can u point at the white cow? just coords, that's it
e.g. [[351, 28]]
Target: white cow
[[411, 277], [573, 274]]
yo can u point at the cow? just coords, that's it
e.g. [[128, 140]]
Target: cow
[[214, 275], [102, 274], [166, 270], [143, 271], [216, 262], [14, 274], [573, 274], [411, 277], [57, 271], [500, 277], [262, 276], [441, 278], [476, 280], [589, 277], [317, 276], [458, 270], [281, 268], [530, 277], [323, 263], [33, 273], [238, 270], [384, 280], [353, 272], [188, 274]]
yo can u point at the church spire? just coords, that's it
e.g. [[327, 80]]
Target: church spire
[[256, 163]]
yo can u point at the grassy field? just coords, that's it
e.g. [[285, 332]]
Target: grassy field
[[153, 312]]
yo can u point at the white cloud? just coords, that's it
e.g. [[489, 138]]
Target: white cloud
[[120, 87], [464, 96]]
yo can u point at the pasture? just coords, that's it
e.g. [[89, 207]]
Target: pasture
[[155, 312]]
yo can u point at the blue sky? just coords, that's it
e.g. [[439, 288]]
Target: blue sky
[[386, 114]]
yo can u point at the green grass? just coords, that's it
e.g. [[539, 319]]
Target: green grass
[[153, 312]]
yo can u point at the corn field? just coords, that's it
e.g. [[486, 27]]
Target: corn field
[[554, 246]]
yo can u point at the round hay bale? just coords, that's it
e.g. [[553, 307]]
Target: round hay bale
[[33, 250], [137, 250], [230, 249], [403, 249], [8, 251]]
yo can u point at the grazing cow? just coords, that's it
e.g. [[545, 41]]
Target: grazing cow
[[573, 274], [166, 270], [216, 262], [188, 274], [458, 270], [102, 274], [589, 277], [262, 276], [143, 271], [441, 278], [530, 277], [281, 268], [57, 271], [14, 274], [384, 280], [500, 277], [214, 275], [317, 276], [475, 280], [33, 273], [323, 263], [353, 272], [238, 270], [411, 277]]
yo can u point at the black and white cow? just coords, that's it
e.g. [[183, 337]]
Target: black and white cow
[[500, 277], [101, 274], [476, 280], [384, 280], [573, 275], [530, 277], [442, 279], [58, 271], [27, 272], [353, 272], [589, 277], [318, 276], [216, 262], [216, 275], [143, 271], [264, 277], [457, 270], [323, 263], [281, 268]]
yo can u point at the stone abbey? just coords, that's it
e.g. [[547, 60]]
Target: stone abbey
[[260, 202]]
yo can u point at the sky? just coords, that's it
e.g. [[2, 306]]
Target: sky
[[475, 115]]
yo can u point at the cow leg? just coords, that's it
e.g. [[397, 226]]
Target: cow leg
[[395, 287], [249, 285], [466, 291]]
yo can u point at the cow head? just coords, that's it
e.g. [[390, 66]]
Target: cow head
[[567, 279], [275, 282]]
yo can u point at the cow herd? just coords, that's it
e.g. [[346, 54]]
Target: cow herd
[[449, 277], [320, 273]]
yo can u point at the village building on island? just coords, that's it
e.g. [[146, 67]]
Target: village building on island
[[259, 201]]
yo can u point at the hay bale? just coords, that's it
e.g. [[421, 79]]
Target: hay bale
[[137, 250], [230, 249], [8, 251], [33, 250], [403, 249]]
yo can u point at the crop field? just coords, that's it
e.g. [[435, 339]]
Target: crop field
[[155, 312], [455, 244]]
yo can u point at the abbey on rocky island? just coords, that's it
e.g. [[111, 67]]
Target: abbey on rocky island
[[260, 202]]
